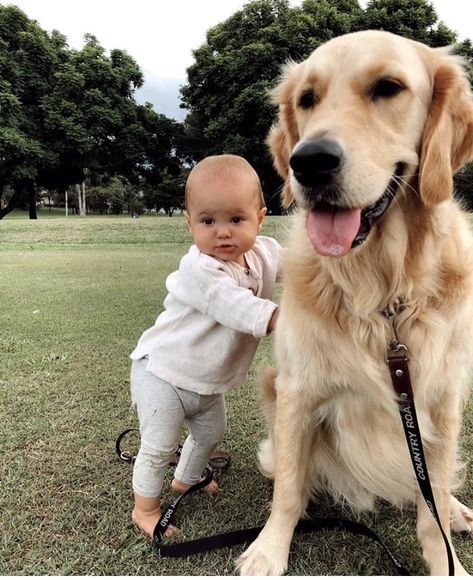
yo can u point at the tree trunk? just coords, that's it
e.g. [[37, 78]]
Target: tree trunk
[[16, 197], [32, 201], [84, 204], [80, 188], [79, 198]]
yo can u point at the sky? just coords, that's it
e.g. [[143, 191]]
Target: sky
[[161, 34]]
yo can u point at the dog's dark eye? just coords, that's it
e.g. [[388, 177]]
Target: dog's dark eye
[[386, 88], [307, 99]]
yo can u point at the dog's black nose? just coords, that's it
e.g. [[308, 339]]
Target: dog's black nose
[[316, 162]]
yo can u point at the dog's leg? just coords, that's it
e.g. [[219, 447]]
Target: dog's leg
[[440, 461], [461, 517], [266, 454], [268, 554], [429, 535]]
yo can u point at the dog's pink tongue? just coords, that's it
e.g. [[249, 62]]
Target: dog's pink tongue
[[332, 231]]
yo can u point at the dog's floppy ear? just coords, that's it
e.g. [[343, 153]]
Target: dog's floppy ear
[[447, 142], [281, 152], [283, 135]]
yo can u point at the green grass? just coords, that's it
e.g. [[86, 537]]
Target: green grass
[[60, 212], [42, 213], [76, 295]]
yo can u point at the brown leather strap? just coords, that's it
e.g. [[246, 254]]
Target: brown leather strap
[[399, 369], [397, 360]]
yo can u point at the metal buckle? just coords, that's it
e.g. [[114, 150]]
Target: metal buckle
[[397, 350], [127, 456]]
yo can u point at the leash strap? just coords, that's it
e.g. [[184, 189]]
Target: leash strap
[[237, 537], [397, 360], [246, 535], [168, 514]]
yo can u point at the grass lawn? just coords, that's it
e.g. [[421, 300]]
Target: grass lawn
[[76, 295]]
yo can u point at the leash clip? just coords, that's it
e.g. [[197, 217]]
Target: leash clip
[[396, 349], [127, 457]]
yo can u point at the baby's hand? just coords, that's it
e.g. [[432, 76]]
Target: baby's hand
[[274, 320]]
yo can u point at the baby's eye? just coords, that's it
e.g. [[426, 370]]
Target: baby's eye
[[208, 221], [236, 220]]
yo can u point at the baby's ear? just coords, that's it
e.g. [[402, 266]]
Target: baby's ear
[[188, 221], [261, 214]]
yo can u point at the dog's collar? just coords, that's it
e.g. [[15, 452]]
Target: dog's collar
[[394, 307]]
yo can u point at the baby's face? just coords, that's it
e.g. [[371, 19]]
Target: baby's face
[[224, 217]]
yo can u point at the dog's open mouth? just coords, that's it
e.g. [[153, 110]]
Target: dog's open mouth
[[334, 230]]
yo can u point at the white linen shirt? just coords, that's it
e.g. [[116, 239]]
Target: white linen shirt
[[214, 315]]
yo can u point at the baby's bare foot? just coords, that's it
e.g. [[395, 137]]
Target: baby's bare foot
[[146, 521], [211, 488]]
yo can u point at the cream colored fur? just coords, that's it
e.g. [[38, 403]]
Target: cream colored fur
[[333, 420]]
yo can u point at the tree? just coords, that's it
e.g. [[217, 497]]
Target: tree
[[227, 90], [171, 192], [159, 140], [114, 195], [98, 129], [88, 113], [69, 116], [28, 58], [228, 85]]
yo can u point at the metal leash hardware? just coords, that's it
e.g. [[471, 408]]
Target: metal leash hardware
[[395, 348], [126, 456], [397, 358]]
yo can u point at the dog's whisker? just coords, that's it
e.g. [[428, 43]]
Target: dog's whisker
[[401, 181]]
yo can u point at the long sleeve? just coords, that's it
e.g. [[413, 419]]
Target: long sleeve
[[214, 315], [213, 292]]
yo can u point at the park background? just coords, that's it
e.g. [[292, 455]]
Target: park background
[[77, 291]]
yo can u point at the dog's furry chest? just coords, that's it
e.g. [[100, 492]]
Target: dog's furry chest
[[359, 450], [360, 454]]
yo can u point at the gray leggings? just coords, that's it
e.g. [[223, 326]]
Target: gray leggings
[[162, 409]]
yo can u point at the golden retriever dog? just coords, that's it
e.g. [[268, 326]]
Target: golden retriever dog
[[371, 129]]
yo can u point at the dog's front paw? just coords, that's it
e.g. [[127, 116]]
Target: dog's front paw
[[461, 516], [263, 558]]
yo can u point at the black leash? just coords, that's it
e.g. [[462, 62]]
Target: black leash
[[168, 514], [246, 535], [397, 359]]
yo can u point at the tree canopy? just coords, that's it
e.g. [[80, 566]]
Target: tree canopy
[[66, 114], [228, 84], [69, 116]]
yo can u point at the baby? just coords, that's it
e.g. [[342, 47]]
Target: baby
[[202, 345]]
